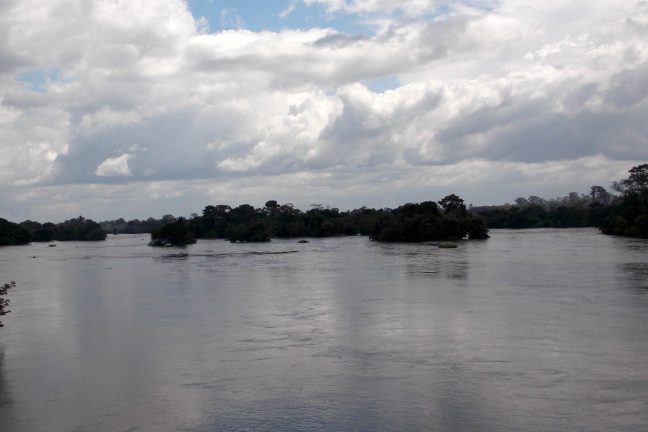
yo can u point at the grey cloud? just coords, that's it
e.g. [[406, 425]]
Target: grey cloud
[[637, 26], [555, 137], [580, 96], [629, 87], [11, 62], [25, 100], [438, 38], [535, 133], [339, 40], [166, 146]]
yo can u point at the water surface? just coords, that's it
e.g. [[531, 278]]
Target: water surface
[[532, 330]]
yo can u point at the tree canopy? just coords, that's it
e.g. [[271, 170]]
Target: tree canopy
[[574, 210], [75, 229], [410, 222], [629, 215], [636, 182], [12, 234]]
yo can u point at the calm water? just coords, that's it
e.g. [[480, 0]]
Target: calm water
[[536, 330]]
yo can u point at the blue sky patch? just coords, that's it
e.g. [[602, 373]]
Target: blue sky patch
[[38, 79], [270, 15], [382, 84]]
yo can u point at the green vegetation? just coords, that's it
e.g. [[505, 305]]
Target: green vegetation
[[447, 219], [12, 234], [4, 302], [572, 211], [135, 226], [176, 233], [78, 229], [409, 223], [625, 215], [428, 221], [629, 215]]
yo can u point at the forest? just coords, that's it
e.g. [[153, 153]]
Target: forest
[[77, 229], [629, 215], [624, 213], [571, 211], [446, 220]]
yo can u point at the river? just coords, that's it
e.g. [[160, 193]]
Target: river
[[531, 330]]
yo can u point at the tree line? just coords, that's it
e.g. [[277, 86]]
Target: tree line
[[76, 229], [135, 226], [623, 214], [571, 211], [442, 220]]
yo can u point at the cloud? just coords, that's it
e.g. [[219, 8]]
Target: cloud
[[230, 19], [114, 167], [481, 86], [629, 87], [288, 10]]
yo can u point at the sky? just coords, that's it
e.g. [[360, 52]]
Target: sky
[[139, 108]]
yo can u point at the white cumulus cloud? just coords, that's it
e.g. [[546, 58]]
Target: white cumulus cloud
[[114, 167]]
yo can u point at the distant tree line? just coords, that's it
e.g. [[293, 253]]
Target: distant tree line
[[447, 219], [77, 229], [625, 214], [135, 226], [571, 211]]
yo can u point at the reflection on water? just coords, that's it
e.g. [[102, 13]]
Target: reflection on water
[[531, 330]]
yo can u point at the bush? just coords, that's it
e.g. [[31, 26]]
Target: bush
[[3, 301]]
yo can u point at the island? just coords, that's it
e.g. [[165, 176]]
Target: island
[[447, 219]]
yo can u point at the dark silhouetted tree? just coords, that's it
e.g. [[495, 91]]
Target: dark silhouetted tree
[[4, 302], [629, 216], [12, 234], [452, 204]]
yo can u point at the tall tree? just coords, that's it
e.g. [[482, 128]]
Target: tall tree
[[452, 204], [637, 181]]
